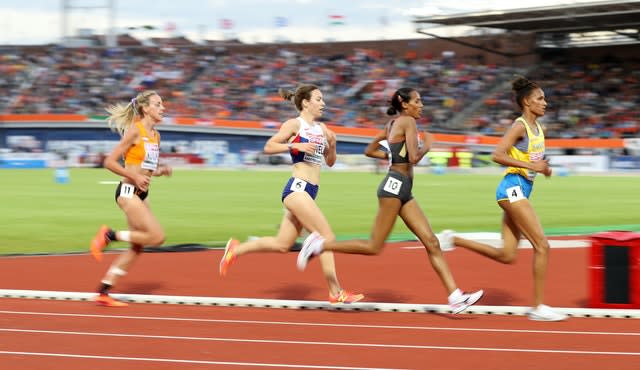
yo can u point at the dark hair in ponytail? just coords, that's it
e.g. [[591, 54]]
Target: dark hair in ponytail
[[303, 92], [522, 88], [401, 95]]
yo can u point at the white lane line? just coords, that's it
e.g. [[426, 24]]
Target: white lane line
[[331, 344], [172, 360], [317, 324]]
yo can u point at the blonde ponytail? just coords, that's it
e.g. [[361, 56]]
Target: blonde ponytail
[[121, 116]]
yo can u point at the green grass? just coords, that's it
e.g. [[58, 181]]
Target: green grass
[[209, 206]]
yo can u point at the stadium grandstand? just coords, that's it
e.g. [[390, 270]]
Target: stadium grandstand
[[584, 55]]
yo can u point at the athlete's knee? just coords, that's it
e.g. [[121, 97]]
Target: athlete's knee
[[156, 238], [542, 247], [371, 247], [507, 256], [431, 244], [278, 244], [284, 247], [328, 236]]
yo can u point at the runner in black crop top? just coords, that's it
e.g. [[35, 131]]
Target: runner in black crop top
[[398, 150], [395, 198]]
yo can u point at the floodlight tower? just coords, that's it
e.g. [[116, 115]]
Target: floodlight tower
[[67, 6]]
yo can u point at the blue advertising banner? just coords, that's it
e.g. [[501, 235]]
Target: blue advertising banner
[[626, 162]]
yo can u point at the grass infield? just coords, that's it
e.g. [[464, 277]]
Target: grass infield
[[208, 206]]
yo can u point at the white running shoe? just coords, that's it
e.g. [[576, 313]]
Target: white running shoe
[[545, 313], [312, 246], [446, 240], [464, 300]]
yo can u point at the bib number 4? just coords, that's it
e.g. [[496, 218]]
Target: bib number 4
[[515, 194]]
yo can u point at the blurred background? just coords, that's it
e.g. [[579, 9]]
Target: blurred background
[[218, 66]]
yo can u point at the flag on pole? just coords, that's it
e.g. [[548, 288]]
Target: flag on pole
[[281, 22], [226, 23], [336, 20]]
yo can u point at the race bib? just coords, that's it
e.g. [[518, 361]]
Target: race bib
[[316, 157], [152, 153], [392, 186], [534, 156], [298, 185], [515, 194], [127, 190]]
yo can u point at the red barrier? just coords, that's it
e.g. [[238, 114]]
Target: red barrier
[[614, 270]]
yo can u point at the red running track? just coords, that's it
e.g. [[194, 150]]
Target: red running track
[[78, 335], [40, 334], [398, 275]]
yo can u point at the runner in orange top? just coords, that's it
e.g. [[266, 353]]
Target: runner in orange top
[[140, 147]]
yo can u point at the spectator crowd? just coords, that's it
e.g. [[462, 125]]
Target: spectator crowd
[[585, 99]]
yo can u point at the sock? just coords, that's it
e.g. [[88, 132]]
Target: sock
[[124, 236], [104, 288], [111, 235]]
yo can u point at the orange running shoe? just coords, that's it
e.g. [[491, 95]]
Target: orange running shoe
[[345, 297], [99, 242], [107, 301], [229, 256]]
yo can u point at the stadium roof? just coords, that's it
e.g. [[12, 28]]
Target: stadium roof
[[619, 18]]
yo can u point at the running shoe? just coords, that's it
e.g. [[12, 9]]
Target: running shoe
[[345, 297], [446, 240], [463, 301], [545, 313], [312, 246], [108, 301], [229, 256], [99, 242]]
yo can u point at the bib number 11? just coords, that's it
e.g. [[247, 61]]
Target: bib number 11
[[127, 190]]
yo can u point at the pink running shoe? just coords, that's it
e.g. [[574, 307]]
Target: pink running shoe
[[345, 297]]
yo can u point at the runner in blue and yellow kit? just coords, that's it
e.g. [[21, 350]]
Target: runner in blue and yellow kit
[[521, 150]]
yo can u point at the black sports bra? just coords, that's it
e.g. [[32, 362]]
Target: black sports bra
[[398, 150]]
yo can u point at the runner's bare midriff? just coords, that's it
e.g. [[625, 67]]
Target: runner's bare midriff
[[403, 168]]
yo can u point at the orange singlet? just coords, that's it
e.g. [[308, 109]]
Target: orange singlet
[[145, 151]]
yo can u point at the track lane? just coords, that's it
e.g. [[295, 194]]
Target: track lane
[[360, 340]]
